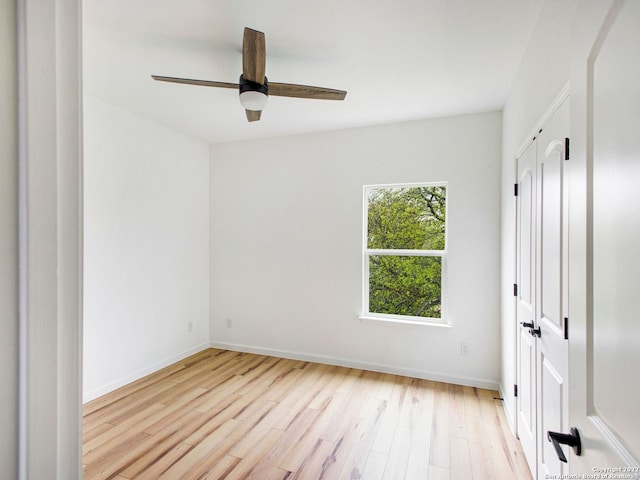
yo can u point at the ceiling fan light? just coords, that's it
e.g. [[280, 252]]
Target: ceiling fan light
[[252, 100], [253, 96]]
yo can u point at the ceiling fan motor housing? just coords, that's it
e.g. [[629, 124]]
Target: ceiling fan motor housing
[[253, 95]]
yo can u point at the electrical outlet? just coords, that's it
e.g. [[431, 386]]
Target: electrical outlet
[[464, 349], [229, 323], [190, 326]]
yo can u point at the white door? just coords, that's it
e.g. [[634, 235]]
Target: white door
[[604, 267], [541, 296], [525, 303], [552, 352]]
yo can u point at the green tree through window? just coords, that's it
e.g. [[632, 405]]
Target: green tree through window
[[405, 246]]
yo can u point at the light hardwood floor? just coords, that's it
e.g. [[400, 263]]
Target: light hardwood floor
[[228, 415]]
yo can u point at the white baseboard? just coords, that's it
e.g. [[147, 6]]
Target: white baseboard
[[111, 386], [374, 367]]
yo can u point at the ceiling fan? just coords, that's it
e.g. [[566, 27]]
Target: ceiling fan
[[253, 86]]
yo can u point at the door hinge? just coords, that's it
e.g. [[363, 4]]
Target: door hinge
[[536, 136], [515, 390], [515, 189], [566, 149], [515, 289], [566, 328]]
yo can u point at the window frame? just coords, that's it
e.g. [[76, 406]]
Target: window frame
[[368, 252]]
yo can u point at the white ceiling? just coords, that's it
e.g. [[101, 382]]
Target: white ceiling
[[399, 60]]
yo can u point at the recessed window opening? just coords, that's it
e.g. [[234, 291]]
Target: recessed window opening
[[404, 249]]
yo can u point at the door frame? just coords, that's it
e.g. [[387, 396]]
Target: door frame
[[50, 239]]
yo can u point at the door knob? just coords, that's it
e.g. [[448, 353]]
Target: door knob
[[535, 332], [572, 439]]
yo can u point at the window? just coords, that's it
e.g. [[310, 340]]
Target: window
[[404, 251]]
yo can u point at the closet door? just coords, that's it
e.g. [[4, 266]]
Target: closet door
[[552, 352], [541, 297], [525, 303]]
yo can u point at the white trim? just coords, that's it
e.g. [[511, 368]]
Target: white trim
[[350, 363], [403, 320], [23, 372], [50, 239], [404, 185], [507, 412], [614, 442], [143, 372], [546, 116], [513, 420], [406, 253]]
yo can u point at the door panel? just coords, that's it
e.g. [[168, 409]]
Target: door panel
[[527, 387], [616, 225], [604, 236], [527, 259], [553, 391], [525, 304], [615, 293], [551, 235]]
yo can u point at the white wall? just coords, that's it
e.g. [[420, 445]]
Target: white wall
[[543, 73], [8, 243], [286, 253], [146, 246]]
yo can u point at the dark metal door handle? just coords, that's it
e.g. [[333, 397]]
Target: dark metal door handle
[[527, 324], [573, 440], [535, 332]]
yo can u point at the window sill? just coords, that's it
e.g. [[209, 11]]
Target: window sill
[[393, 321]]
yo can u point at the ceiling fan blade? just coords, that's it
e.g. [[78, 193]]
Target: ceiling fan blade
[[189, 81], [254, 57], [253, 115], [305, 91]]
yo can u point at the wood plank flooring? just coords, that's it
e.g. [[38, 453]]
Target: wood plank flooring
[[228, 415]]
